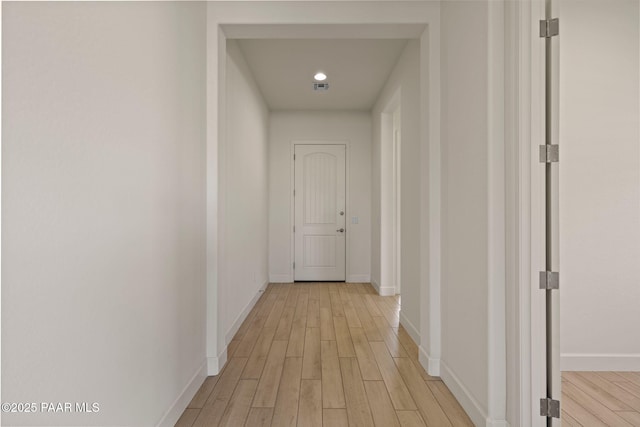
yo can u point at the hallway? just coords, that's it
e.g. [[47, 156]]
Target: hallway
[[330, 354]]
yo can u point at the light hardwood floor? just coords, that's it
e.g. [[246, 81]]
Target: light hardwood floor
[[593, 399], [323, 354]]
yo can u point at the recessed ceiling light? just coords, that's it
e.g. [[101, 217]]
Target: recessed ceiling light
[[320, 76]]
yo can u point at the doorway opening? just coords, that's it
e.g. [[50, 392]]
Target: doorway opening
[[227, 307], [397, 197], [391, 195]]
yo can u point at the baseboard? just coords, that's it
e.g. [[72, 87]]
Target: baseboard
[[599, 362], [410, 327], [359, 278], [215, 364], [430, 364], [464, 397], [243, 315], [384, 291], [170, 418], [281, 278]]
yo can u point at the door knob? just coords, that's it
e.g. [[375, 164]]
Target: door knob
[[340, 230], [341, 213]]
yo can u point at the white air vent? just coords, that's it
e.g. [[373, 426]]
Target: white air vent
[[321, 86]]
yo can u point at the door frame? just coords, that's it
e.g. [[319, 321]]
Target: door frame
[[396, 179], [292, 203], [390, 265], [524, 132]]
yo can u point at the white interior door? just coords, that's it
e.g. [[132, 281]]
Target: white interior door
[[320, 227]]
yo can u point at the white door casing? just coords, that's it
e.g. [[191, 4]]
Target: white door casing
[[397, 201], [319, 212]]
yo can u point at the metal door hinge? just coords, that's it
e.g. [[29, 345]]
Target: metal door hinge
[[294, 265], [294, 192], [294, 228], [549, 154], [549, 27], [549, 408], [294, 157], [549, 280]]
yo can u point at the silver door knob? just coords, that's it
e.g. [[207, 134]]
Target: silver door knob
[[340, 230], [341, 212]]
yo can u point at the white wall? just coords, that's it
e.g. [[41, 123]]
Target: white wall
[[354, 127], [405, 78], [473, 307], [103, 198], [599, 185], [245, 178]]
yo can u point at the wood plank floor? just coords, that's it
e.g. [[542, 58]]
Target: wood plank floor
[[326, 355], [600, 399]]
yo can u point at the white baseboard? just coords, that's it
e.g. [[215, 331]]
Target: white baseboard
[[243, 315], [215, 364], [464, 397], [410, 327], [359, 278], [387, 291], [170, 418], [430, 364], [384, 291], [599, 362], [281, 278]]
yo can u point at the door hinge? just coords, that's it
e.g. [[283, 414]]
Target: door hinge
[[294, 192], [294, 228], [549, 280], [294, 265], [549, 154], [549, 408], [294, 157], [549, 27]]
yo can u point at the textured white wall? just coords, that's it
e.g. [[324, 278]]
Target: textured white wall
[[406, 78], [103, 198], [600, 185], [245, 169], [354, 127]]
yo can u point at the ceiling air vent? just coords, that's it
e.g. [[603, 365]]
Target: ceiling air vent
[[321, 87]]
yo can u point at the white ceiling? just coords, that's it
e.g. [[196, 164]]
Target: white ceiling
[[356, 68]]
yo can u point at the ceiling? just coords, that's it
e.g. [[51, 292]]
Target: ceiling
[[356, 68]]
